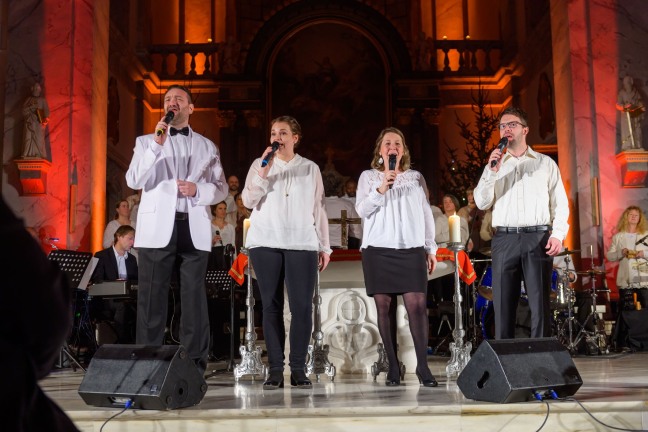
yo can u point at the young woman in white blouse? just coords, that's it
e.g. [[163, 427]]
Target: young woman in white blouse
[[631, 253], [288, 241], [122, 217], [222, 231], [398, 247]]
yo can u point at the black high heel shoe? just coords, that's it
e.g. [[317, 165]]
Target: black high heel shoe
[[428, 382], [392, 382], [274, 381], [299, 379]]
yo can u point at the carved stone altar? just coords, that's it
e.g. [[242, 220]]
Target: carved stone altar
[[349, 319]]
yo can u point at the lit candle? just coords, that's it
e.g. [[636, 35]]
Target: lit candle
[[455, 228], [591, 251], [246, 227]]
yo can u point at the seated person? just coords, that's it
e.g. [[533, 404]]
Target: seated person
[[441, 225], [334, 206], [117, 263]]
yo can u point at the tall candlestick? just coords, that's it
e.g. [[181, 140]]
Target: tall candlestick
[[246, 227], [454, 224]]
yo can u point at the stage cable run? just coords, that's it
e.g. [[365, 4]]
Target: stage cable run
[[551, 394], [127, 404]]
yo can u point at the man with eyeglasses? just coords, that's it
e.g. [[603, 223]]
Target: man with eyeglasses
[[529, 216]]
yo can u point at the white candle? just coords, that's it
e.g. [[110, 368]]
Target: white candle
[[246, 227], [455, 229], [591, 251]]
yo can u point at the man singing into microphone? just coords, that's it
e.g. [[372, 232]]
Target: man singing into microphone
[[180, 174], [530, 212]]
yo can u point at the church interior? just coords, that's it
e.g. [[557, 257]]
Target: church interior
[[439, 70]]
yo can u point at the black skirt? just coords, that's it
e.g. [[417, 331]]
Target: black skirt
[[394, 271]]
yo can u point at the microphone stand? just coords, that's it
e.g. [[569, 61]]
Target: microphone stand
[[460, 352], [251, 363], [318, 361]]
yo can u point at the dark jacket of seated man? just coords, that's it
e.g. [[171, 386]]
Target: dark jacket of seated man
[[107, 268]]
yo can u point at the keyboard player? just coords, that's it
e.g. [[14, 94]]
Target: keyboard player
[[117, 263]]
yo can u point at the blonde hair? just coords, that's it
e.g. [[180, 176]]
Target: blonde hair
[[622, 225], [405, 159]]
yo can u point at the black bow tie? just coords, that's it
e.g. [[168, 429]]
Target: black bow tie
[[184, 131]]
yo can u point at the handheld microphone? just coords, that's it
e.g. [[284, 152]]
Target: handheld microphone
[[642, 240], [167, 118], [392, 165], [218, 234], [269, 156], [501, 145]]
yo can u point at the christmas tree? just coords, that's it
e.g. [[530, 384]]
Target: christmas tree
[[464, 173]]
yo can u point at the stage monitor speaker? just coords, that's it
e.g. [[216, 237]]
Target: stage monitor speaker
[[153, 377], [513, 370]]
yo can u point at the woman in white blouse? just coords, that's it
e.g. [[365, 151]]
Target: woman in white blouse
[[288, 241], [122, 217], [629, 248], [398, 247], [222, 231]]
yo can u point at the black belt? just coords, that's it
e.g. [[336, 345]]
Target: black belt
[[526, 229], [181, 216]]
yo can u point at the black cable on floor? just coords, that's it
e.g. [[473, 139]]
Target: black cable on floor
[[128, 404], [599, 421], [545, 419]]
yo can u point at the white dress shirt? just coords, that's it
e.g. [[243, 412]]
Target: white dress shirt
[[121, 264], [399, 219], [526, 191], [288, 206]]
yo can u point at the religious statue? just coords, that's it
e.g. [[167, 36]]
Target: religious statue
[[36, 114], [632, 112]]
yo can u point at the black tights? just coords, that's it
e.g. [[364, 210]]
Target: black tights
[[416, 307]]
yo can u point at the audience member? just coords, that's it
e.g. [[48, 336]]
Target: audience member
[[236, 219], [350, 187], [334, 206], [222, 231], [233, 189], [122, 217], [474, 216], [442, 234], [35, 317]]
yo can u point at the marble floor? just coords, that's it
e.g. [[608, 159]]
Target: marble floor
[[615, 391]]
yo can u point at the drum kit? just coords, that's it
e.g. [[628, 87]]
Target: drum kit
[[571, 332]]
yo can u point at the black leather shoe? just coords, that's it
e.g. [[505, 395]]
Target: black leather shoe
[[299, 379], [274, 381], [428, 382]]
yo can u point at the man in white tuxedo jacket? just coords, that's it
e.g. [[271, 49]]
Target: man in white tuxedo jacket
[[180, 175]]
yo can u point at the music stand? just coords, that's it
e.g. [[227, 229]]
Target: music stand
[[74, 265], [221, 281]]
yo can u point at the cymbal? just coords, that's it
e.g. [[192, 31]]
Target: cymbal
[[591, 272], [486, 292], [568, 252], [485, 251]]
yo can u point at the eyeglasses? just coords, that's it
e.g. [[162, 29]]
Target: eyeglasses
[[511, 125]]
